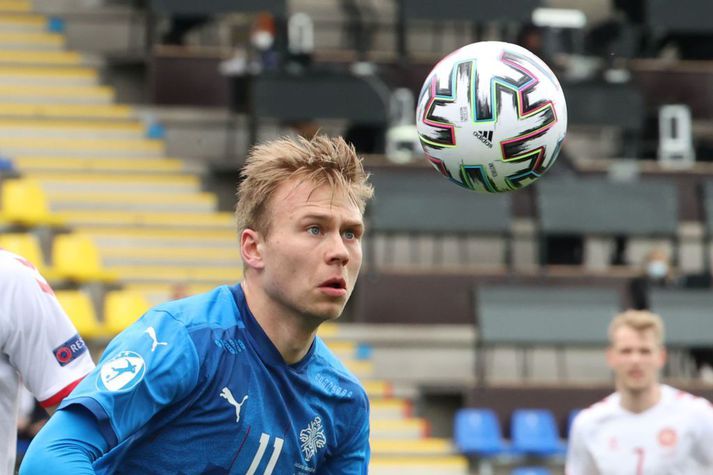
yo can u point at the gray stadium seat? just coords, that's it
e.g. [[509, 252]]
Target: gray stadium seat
[[418, 203], [687, 315], [708, 220], [601, 208], [528, 317]]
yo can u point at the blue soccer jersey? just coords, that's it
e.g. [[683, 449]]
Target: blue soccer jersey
[[195, 386]]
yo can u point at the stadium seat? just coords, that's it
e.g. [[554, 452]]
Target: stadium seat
[[396, 218], [534, 432], [122, 308], [531, 471], [24, 202], [477, 432], [80, 310], [27, 245], [570, 420], [77, 258]]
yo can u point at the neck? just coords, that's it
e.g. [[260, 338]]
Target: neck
[[640, 401], [291, 334]]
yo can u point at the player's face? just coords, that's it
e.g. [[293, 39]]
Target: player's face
[[312, 251], [636, 358]]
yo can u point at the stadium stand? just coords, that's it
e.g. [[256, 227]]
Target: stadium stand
[[411, 211], [647, 210], [146, 230]]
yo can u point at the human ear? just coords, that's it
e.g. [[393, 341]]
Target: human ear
[[250, 248]]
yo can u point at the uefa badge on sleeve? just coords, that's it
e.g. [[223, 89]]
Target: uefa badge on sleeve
[[70, 350], [122, 372]]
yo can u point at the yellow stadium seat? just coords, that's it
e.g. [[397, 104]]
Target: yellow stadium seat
[[24, 202], [122, 308], [76, 257], [80, 310], [28, 246]]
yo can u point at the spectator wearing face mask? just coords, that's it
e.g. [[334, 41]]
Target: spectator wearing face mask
[[657, 272]]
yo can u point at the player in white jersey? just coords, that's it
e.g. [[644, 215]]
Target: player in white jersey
[[645, 427], [39, 347]]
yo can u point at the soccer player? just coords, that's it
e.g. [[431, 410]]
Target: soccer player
[[39, 347], [645, 427], [235, 380]]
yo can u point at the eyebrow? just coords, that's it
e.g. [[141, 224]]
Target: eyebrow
[[328, 217]]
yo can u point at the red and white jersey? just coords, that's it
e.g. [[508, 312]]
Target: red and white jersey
[[674, 437], [39, 347]]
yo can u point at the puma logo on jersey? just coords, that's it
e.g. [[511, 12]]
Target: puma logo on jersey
[[228, 396], [154, 340]]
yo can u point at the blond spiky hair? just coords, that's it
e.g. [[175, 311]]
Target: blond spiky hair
[[321, 160], [639, 320]]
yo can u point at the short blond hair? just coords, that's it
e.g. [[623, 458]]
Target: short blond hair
[[321, 160], [639, 320]]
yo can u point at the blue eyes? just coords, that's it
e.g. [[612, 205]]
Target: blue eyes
[[316, 231]]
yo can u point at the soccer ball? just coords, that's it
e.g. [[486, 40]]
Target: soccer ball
[[491, 116]]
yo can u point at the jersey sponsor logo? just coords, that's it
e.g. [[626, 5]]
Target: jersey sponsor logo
[[122, 372], [151, 332], [231, 345], [228, 396], [332, 387], [667, 437], [312, 438], [70, 350]]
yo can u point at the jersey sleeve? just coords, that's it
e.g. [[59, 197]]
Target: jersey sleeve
[[353, 456], [703, 417], [39, 339], [579, 459], [148, 366]]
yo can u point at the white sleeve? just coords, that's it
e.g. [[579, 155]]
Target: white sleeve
[[579, 458], [37, 336], [703, 417]]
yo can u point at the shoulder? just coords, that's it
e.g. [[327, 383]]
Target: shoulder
[[594, 414], [687, 402], [212, 309], [334, 378], [14, 268]]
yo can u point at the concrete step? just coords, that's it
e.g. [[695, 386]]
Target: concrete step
[[55, 76], [189, 275], [97, 166], [16, 22], [75, 148], [180, 256], [419, 465], [56, 110], [31, 41], [128, 201], [39, 58], [15, 6], [81, 129], [399, 429], [159, 238], [42, 94], [168, 220], [408, 447], [118, 183]]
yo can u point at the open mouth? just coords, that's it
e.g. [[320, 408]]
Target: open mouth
[[336, 283]]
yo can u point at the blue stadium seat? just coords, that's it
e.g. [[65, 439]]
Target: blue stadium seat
[[531, 471], [534, 432], [477, 432], [570, 420]]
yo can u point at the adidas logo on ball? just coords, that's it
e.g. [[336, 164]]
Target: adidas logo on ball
[[485, 137]]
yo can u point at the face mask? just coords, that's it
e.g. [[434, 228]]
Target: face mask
[[657, 269]]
